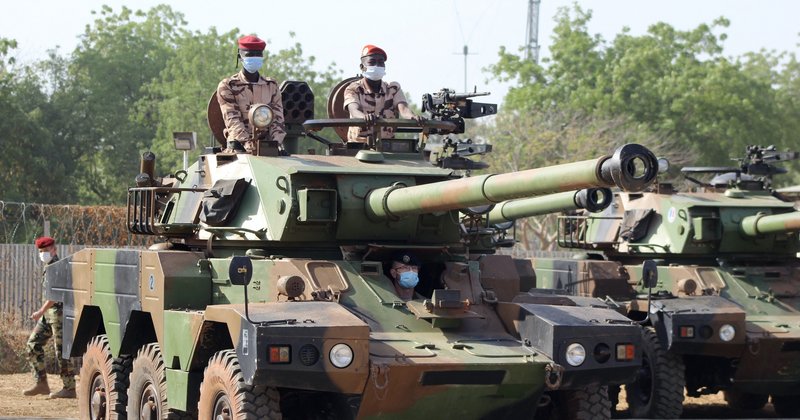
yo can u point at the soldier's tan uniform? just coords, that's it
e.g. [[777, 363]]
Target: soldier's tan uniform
[[236, 95], [383, 104]]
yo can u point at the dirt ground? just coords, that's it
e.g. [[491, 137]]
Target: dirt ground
[[707, 407], [13, 404]]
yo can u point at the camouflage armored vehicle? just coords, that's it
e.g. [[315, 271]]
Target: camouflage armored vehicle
[[514, 280], [269, 294], [725, 313]]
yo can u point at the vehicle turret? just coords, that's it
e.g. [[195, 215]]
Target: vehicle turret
[[329, 199]]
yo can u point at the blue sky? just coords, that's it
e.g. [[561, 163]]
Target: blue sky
[[424, 39]]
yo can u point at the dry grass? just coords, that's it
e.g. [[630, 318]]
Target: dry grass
[[12, 346]]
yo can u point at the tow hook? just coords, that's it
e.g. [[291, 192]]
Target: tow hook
[[553, 373]]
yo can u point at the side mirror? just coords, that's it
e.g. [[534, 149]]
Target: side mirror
[[649, 274], [240, 271]]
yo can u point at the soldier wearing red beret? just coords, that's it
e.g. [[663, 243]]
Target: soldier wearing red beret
[[49, 324], [372, 98], [236, 94]]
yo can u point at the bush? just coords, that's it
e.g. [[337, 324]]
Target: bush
[[13, 337]]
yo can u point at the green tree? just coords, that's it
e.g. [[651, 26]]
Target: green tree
[[673, 82], [33, 161], [119, 54]]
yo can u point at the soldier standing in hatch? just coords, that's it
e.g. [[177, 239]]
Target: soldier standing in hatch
[[236, 94], [371, 98], [49, 324]]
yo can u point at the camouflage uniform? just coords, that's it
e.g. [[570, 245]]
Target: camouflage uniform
[[383, 104], [236, 95], [49, 325]]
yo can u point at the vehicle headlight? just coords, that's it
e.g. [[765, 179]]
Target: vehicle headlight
[[341, 355], [576, 354], [261, 116], [727, 332]]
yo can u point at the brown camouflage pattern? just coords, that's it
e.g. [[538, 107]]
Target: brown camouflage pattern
[[236, 95], [383, 104]]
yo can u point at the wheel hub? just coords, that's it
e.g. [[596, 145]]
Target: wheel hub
[[149, 406], [97, 402], [222, 408]]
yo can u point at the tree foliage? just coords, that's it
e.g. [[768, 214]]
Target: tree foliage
[[678, 83], [118, 56], [33, 162], [74, 125]]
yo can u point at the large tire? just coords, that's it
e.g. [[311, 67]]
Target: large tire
[[224, 393], [744, 401], [613, 397], [786, 405], [657, 392], [588, 403], [102, 390], [147, 393]]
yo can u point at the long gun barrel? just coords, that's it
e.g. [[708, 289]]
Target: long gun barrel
[[632, 168], [761, 224], [591, 199]]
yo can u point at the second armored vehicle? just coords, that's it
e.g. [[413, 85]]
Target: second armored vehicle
[[725, 315]]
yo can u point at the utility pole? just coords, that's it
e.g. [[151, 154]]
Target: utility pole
[[532, 31], [466, 53]]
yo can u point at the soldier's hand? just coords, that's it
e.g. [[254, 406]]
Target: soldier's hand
[[36, 315], [419, 119], [370, 118]]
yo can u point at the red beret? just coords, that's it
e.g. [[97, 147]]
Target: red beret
[[370, 49], [251, 42], [44, 242]]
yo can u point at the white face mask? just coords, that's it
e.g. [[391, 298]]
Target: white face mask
[[374, 72], [45, 257]]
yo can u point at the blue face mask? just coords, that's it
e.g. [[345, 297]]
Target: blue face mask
[[408, 280], [252, 64]]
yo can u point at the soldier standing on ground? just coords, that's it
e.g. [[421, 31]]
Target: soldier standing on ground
[[371, 98], [236, 94], [49, 324]]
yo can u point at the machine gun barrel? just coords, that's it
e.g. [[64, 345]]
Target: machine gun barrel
[[591, 199], [462, 96], [632, 168], [761, 224]]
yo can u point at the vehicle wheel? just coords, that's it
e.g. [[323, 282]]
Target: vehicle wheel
[[147, 393], [657, 392], [224, 394], [786, 405], [744, 400], [104, 382], [587, 403]]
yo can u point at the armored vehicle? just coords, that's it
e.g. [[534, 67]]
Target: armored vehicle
[[270, 293], [513, 280], [724, 314]]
